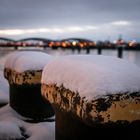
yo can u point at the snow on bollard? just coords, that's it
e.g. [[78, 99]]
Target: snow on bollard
[[23, 71], [92, 93]]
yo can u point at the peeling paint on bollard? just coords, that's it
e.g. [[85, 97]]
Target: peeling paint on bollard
[[27, 77], [121, 110], [110, 108]]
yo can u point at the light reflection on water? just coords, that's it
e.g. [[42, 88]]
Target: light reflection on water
[[133, 56]]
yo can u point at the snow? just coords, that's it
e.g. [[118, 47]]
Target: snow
[[9, 130], [12, 124], [27, 60], [93, 76], [38, 130], [4, 87]]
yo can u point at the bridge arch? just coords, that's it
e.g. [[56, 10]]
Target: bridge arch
[[77, 39], [36, 39], [6, 39]]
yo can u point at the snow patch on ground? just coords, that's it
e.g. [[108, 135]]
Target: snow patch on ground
[[9, 130], [37, 131], [4, 86], [12, 125]]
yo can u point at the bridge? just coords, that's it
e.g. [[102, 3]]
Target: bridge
[[44, 42], [4, 42], [34, 41], [76, 43], [77, 39], [68, 43], [6, 39]]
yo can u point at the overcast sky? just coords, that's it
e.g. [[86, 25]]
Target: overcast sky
[[93, 19]]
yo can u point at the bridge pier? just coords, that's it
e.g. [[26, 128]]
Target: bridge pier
[[99, 50], [87, 50], [120, 51]]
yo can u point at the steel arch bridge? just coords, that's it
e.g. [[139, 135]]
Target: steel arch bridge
[[6, 39], [35, 39], [77, 39], [44, 41]]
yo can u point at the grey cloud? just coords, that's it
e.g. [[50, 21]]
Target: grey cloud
[[47, 13]]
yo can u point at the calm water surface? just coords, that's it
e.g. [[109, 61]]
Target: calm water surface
[[133, 56]]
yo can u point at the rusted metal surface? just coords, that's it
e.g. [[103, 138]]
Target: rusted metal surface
[[27, 77], [119, 107]]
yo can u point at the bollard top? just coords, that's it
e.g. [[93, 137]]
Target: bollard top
[[93, 76], [27, 60]]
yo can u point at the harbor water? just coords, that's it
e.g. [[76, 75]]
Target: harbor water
[[130, 55]]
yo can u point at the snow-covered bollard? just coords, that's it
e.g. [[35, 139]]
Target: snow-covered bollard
[[90, 93], [23, 71]]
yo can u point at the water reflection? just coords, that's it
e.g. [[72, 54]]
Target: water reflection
[[133, 56]]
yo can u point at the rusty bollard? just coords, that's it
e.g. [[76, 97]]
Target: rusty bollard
[[25, 84], [80, 113]]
